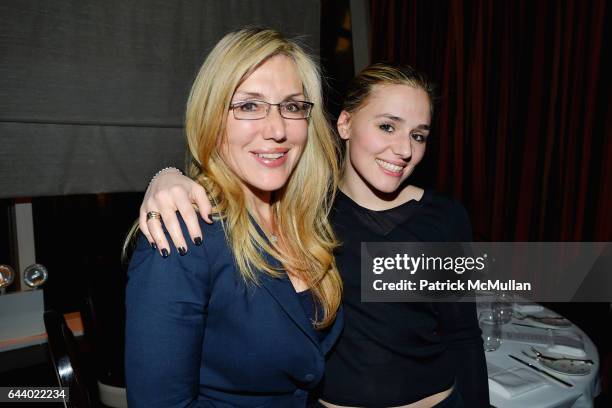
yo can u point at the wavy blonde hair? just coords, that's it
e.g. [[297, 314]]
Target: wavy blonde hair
[[300, 208]]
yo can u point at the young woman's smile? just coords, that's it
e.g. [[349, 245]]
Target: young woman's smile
[[386, 139]]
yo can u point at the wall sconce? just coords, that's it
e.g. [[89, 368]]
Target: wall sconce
[[35, 276], [7, 276]]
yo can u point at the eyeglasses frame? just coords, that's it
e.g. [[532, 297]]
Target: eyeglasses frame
[[233, 106]]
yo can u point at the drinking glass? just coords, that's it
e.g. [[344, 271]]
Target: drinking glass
[[503, 307], [491, 330]]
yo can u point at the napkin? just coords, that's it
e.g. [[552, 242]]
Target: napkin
[[515, 381]]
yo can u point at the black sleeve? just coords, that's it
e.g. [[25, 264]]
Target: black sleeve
[[460, 222], [459, 328]]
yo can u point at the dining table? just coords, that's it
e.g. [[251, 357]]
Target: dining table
[[558, 378]]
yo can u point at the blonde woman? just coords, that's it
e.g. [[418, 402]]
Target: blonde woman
[[410, 355], [247, 319]]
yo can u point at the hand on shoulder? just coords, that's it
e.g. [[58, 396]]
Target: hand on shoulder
[[170, 191]]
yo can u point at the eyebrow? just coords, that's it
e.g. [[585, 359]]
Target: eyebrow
[[262, 97], [401, 120]]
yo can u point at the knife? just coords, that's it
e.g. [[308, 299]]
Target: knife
[[539, 370]]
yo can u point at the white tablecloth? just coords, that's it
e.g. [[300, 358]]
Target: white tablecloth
[[552, 394]]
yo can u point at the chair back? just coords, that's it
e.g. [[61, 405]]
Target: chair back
[[104, 329], [103, 320], [64, 353]]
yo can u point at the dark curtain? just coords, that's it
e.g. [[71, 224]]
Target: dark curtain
[[522, 128]]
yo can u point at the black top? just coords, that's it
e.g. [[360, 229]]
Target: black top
[[397, 353]]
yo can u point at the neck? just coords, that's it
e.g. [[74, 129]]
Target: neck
[[260, 202]]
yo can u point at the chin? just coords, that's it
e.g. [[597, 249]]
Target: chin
[[386, 187], [269, 185]]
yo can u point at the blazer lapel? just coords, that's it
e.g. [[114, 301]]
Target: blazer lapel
[[282, 291]]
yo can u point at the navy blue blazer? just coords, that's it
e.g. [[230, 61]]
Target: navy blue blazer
[[198, 336]]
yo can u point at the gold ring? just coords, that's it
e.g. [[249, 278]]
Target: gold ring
[[153, 215]]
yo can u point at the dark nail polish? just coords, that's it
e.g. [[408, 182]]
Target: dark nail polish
[[197, 241], [153, 245], [182, 251], [165, 253]]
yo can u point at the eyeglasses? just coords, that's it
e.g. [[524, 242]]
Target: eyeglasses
[[253, 110]]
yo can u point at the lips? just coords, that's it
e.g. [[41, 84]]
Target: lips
[[390, 167], [271, 158]]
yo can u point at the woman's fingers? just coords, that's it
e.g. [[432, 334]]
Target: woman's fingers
[[157, 233], [167, 201], [188, 213], [142, 224], [150, 223], [200, 199], [167, 193]]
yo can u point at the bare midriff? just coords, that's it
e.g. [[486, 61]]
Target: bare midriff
[[426, 402]]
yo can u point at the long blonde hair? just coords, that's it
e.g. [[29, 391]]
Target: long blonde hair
[[300, 209]]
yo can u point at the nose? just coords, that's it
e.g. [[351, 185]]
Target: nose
[[275, 125], [402, 147]]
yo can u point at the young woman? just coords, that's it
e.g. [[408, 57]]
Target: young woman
[[245, 320], [389, 354]]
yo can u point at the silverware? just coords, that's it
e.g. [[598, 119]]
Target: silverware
[[539, 354], [539, 327], [526, 354], [539, 370], [521, 316]]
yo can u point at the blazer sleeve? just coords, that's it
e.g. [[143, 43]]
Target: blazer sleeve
[[166, 301]]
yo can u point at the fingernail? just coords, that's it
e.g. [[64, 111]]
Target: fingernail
[[197, 241], [153, 245], [165, 253], [182, 251]]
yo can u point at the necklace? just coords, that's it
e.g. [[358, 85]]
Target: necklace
[[272, 237]]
